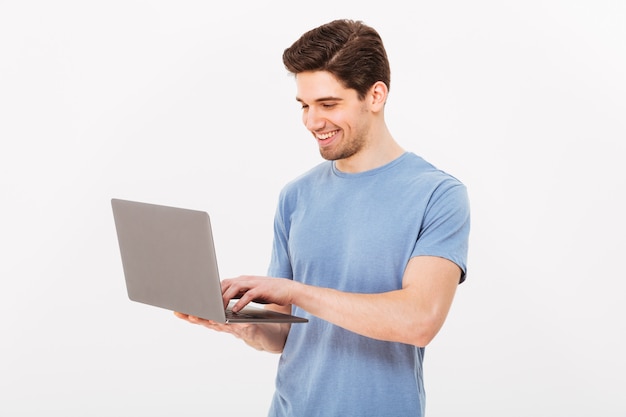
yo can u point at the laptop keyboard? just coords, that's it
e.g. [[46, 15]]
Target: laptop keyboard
[[230, 314]]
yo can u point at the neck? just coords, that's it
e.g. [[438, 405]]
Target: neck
[[375, 154]]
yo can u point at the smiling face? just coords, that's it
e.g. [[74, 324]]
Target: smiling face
[[338, 120]]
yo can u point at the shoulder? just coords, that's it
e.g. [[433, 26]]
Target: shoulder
[[308, 178], [424, 175]]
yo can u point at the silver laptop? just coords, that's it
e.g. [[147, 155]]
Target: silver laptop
[[169, 261]]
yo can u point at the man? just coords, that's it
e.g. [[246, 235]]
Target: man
[[370, 245]]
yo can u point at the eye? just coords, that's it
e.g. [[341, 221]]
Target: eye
[[328, 105]]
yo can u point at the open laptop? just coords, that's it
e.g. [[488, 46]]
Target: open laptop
[[169, 261]]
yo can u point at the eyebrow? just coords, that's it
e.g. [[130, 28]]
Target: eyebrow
[[319, 100]]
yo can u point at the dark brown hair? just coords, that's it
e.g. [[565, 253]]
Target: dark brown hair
[[350, 50]]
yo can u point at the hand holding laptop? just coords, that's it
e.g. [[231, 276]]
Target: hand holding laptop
[[269, 337]]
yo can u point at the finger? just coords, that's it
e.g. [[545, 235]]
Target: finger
[[182, 316], [243, 299], [235, 292], [210, 324], [231, 289], [198, 320], [228, 283]]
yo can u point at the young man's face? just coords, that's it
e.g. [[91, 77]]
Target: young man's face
[[335, 116]]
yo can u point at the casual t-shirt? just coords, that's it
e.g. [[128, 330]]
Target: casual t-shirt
[[356, 233]]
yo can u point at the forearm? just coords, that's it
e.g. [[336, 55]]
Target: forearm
[[382, 316], [413, 314]]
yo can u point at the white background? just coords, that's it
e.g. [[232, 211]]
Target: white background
[[187, 103]]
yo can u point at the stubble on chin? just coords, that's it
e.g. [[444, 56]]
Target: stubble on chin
[[343, 152]]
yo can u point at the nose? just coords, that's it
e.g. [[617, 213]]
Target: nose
[[311, 119]]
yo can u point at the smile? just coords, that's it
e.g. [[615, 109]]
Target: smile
[[326, 135]]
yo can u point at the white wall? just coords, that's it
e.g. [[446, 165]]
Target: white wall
[[187, 103]]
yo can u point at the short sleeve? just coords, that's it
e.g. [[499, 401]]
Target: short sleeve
[[446, 226]]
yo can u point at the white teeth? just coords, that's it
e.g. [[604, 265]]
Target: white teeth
[[326, 135]]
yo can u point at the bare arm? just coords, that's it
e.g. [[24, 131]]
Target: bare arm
[[415, 313]]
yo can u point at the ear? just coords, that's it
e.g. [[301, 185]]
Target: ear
[[378, 95]]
